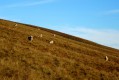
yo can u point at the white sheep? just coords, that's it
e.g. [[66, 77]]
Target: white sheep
[[51, 42], [106, 58], [54, 35], [41, 35], [16, 24], [30, 38]]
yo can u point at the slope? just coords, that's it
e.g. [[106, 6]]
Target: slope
[[68, 58]]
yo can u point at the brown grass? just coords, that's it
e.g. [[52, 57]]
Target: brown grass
[[69, 58]]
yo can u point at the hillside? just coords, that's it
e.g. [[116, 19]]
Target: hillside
[[68, 58]]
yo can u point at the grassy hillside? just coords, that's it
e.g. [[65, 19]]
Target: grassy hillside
[[69, 58]]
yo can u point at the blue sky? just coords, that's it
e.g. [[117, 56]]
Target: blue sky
[[95, 20]]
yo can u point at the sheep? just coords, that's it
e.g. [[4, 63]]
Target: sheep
[[54, 35], [41, 35], [30, 38], [16, 25], [51, 42], [106, 58]]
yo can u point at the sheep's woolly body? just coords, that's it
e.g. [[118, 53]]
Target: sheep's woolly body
[[41, 35], [54, 35], [30, 38], [51, 42], [16, 25], [106, 58]]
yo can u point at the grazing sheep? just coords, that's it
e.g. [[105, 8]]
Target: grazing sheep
[[16, 25], [51, 42], [54, 35], [106, 58], [41, 35], [30, 38]]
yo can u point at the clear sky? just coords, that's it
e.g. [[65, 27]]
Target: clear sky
[[95, 20]]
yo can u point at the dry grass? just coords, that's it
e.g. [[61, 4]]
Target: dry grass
[[69, 58]]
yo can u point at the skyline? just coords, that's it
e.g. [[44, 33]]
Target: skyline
[[97, 21]]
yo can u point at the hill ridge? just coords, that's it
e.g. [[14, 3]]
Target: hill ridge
[[68, 58], [65, 35]]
